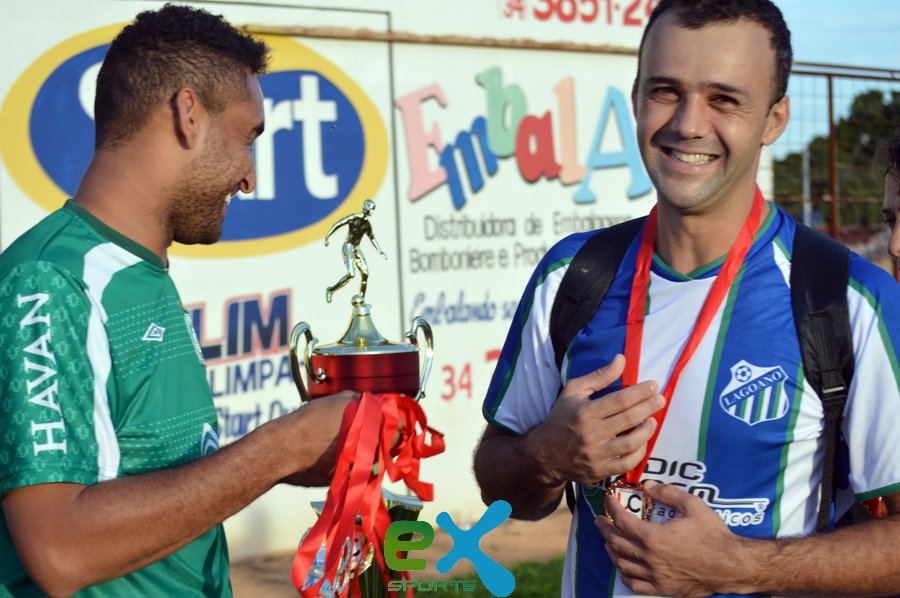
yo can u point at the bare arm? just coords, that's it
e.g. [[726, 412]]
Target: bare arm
[[581, 440], [503, 462], [696, 554], [62, 531], [859, 559]]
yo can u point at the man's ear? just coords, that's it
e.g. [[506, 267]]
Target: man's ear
[[189, 117], [777, 120], [634, 90]]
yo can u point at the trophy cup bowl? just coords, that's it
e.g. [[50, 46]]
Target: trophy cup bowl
[[362, 360]]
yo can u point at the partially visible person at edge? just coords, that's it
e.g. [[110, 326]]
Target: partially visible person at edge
[[891, 206], [111, 478], [742, 473]]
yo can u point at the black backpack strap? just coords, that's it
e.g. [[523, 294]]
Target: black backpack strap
[[819, 276], [586, 281], [583, 287]]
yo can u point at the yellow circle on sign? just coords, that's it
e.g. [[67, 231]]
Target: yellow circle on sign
[[287, 54]]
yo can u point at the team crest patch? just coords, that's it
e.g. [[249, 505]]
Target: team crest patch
[[755, 394]]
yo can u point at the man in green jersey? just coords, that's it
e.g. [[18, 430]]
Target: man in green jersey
[[111, 480]]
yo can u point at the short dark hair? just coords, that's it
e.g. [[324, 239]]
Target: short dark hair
[[163, 51], [893, 154], [697, 14]]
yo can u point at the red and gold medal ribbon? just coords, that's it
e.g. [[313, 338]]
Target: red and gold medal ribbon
[[364, 455], [637, 307]]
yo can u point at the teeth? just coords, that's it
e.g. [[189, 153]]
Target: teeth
[[691, 158]]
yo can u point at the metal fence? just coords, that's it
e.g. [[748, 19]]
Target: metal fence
[[829, 163]]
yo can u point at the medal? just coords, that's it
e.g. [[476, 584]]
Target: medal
[[632, 498], [629, 491]]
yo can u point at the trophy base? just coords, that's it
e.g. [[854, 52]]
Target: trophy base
[[373, 372]]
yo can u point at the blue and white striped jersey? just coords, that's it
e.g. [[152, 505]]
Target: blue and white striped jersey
[[744, 430]]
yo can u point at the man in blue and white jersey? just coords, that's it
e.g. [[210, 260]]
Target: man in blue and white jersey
[[738, 459]]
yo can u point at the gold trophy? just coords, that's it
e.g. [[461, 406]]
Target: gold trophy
[[362, 360]]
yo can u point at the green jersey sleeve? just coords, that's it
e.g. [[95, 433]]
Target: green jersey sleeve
[[46, 379]]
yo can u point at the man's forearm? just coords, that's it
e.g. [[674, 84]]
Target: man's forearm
[[65, 542], [859, 560], [509, 467]]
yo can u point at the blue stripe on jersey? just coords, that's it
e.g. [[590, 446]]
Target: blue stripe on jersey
[[714, 366], [590, 574]]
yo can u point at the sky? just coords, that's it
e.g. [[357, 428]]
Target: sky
[[851, 32], [862, 33]]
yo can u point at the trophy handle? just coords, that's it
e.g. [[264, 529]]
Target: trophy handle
[[303, 329], [420, 323]]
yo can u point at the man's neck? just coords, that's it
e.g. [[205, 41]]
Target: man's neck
[[687, 242], [122, 195]]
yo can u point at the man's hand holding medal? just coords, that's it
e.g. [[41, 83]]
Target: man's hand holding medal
[[651, 557]]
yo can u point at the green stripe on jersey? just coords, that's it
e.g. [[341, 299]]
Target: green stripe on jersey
[[716, 361]]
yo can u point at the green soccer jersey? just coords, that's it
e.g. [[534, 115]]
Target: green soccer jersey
[[101, 376]]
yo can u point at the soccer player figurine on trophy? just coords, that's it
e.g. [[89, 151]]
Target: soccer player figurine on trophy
[[362, 360], [357, 226], [337, 550]]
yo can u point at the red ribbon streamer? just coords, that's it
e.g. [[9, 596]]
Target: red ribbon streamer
[[365, 454], [637, 307]]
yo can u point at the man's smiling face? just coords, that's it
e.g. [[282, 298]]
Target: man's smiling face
[[702, 102]]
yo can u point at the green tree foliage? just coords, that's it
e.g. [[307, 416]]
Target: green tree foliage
[[860, 170]]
